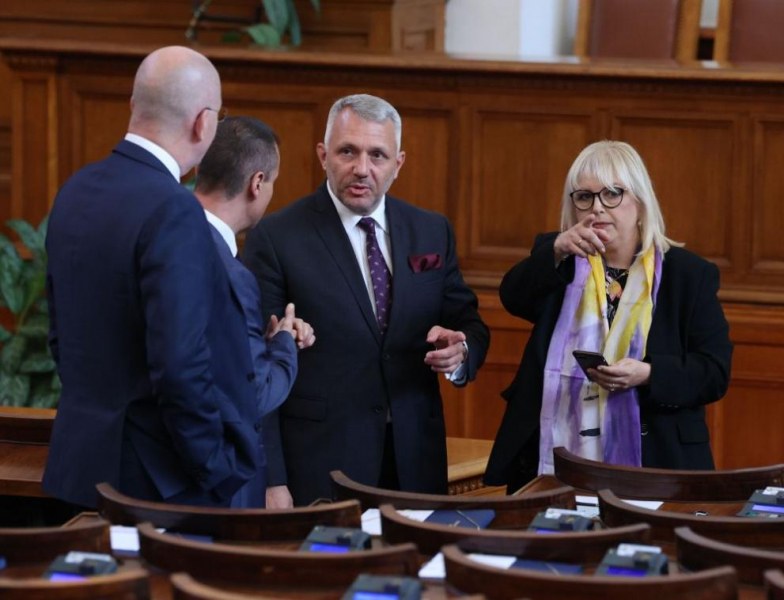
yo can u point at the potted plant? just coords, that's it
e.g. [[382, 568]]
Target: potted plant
[[281, 20], [28, 375]]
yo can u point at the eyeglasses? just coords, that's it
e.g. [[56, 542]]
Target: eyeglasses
[[609, 197], [222, 112]]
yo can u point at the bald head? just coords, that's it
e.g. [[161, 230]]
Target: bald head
[[173, 86]]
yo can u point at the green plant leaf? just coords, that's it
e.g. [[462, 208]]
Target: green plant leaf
[[28, 234], [295, 30], [37, 363], [35, 326], [43, 226], [11, 267], [12, 354], [35, 278], [5, 335], [14, 389], [277, 12], [263, 34], [44, 400], [55, 384]]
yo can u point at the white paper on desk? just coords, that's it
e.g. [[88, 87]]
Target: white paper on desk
[[649, 504], [416, 515], [371, 521], [124, 539], [587, 500], [434, 568], [498, 561], [587, 506]]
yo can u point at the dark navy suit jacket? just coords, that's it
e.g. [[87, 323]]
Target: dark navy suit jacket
[[336, 414], [158, 394], [274, 361]]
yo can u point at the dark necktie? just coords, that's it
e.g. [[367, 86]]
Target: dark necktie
[[379, 273]]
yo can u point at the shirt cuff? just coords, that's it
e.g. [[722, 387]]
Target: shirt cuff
[[459, 375]]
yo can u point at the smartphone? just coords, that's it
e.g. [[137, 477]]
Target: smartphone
[[588, 360]]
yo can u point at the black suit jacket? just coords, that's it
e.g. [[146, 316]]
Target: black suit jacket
[[336, 415], [688, 349]]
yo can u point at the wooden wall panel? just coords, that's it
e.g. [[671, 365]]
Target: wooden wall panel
[[690, 160], [767, 188], [520, 159], [489, 145], [426, 177]]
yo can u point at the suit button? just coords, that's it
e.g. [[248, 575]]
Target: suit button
[[251, 376], [386, 356], [643, 428], [378, 409], [257, 426]]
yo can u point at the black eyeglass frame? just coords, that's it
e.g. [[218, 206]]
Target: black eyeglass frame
[[595, 195], [222, 112]]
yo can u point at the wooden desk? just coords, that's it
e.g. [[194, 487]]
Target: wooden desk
[[24, 439], [23, 453], [467, 460]]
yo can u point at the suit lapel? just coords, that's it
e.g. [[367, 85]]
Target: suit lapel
[[400, 241], [230, 263], [329, 228]]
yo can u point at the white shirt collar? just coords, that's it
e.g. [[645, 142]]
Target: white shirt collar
[[226, 232], [158, 152], [350, 219]]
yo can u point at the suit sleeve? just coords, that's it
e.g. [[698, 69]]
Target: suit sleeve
[[260, 257], [177, 273], [274, 360], [459, 311], [696, 371], [526, 284]]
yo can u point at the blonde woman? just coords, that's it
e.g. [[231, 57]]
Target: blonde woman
[[611, 282]]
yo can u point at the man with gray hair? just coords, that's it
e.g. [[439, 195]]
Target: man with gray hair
[[152, 349], [378, 279]]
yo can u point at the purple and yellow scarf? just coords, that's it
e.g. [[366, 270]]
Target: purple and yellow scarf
[[571, 404]]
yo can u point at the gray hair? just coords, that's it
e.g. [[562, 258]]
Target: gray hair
[[618, 164], [369, 108]]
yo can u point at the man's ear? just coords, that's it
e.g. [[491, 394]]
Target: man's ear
[[200, 125], [254, 184], [401, 158], [321, 152]]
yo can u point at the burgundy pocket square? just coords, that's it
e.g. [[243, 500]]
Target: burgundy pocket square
[[425, 262]]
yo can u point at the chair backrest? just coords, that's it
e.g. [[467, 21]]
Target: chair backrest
[[511, 512], [257, 524], [664, 484], [470, 576], [774, 584], [749, 31], [185, 587], [38, 544], [643, 29], [744, 531], [243, 564], [124, 585], [578, 546], [697, 552]]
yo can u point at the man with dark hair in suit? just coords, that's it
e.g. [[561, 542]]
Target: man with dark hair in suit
[[378, 280], [158, 393], [235, 183]]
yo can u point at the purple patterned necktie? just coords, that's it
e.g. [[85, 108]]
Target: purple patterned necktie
[[379, 273]]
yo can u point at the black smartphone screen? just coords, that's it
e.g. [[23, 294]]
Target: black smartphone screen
[[588, 360]]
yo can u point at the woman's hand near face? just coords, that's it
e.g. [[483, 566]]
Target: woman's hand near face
[[580, 240], [626, 373]]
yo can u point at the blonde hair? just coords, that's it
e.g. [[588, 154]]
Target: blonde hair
[[616, 164]]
